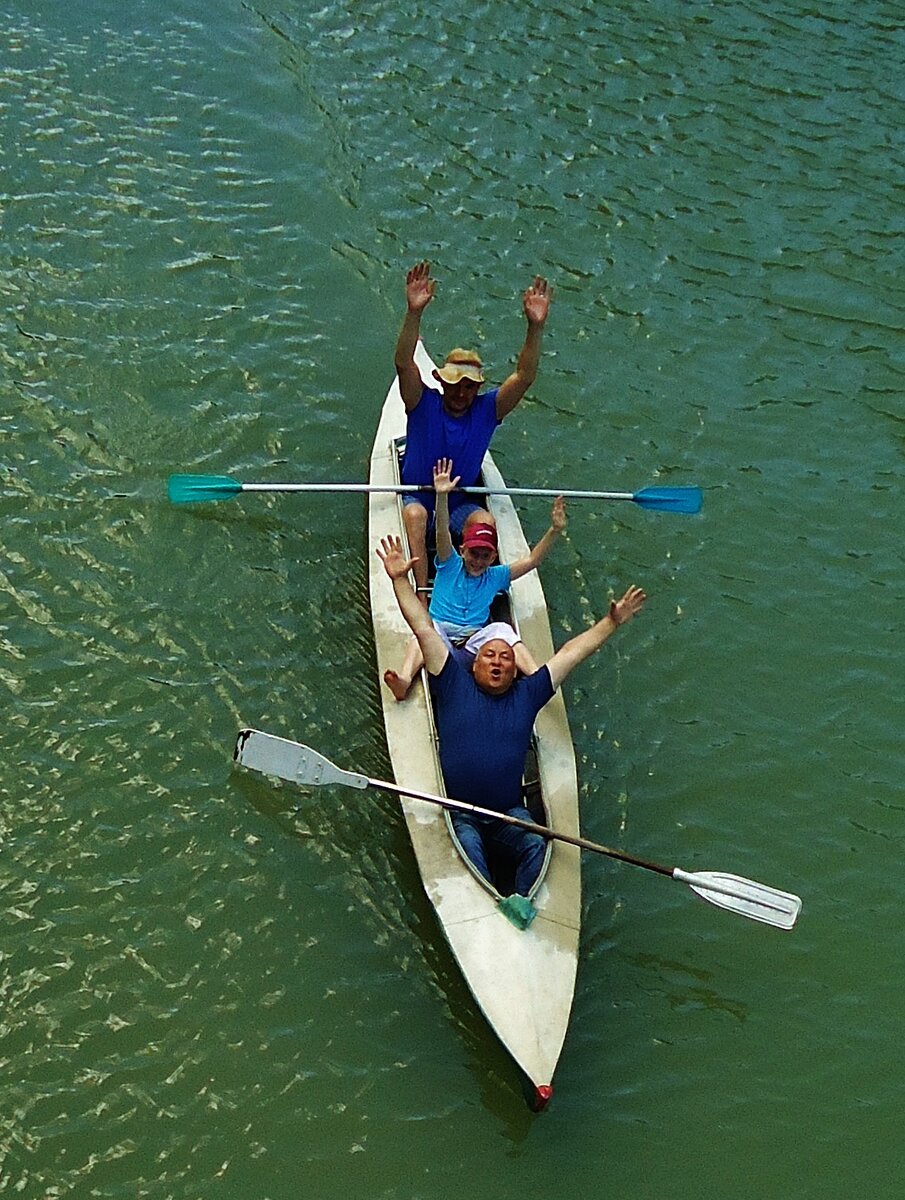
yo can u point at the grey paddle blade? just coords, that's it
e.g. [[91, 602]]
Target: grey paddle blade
[[291, 761], [745, 896]]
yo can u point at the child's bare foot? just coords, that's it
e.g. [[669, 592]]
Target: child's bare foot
[[397, 685]]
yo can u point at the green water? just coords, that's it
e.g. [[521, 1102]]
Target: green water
[[205, 217]]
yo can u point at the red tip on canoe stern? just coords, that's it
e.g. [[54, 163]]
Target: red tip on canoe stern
[[543, 1094]]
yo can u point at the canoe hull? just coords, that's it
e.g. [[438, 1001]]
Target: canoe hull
[[522, 980]]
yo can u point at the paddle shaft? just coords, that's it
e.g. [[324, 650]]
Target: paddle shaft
[[543, 830], [404, 488], [697, 882], [187, 489]]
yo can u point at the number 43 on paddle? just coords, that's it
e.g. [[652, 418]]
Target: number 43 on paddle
[[283, 759]]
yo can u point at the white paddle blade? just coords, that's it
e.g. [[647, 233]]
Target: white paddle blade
[[744, 896], [284, 759]]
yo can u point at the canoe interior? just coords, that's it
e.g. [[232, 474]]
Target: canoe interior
[[532, 794]]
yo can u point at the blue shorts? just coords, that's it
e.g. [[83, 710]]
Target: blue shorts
[[457, 515]]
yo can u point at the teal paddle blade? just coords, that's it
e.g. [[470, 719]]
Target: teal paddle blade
[[187, 489], [670, 499]]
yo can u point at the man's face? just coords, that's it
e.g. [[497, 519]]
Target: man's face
[[459, 397], [494, 667]]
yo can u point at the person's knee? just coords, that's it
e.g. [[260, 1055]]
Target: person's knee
[[415, 519]]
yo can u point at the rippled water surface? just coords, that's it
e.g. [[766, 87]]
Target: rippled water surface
[[214, 986]]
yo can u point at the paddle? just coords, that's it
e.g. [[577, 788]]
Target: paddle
[[189, 489], [301, 765]]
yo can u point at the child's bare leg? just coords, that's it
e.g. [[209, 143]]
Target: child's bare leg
[[523, 659], [415, 519], [399, 682]]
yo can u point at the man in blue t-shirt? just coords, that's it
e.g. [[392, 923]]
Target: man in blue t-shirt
[[485, 717], [456, 420]]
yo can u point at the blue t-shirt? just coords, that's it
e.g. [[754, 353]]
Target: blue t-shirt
[[431, 433], [462, 599], [484, 739]]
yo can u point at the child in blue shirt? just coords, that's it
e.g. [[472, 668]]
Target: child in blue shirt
[[466, 583]]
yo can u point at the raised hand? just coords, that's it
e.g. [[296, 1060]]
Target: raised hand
[[419, 287], [536, 301], [442, 477], [558, 518], [623, 610], [396, 565]]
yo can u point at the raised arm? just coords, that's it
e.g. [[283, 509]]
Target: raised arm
[[558, 522], [443, 485], [419, 291], [397, 566], [536, 305], [577, 649]]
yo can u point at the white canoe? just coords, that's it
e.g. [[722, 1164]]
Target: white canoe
[[522, 979]]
